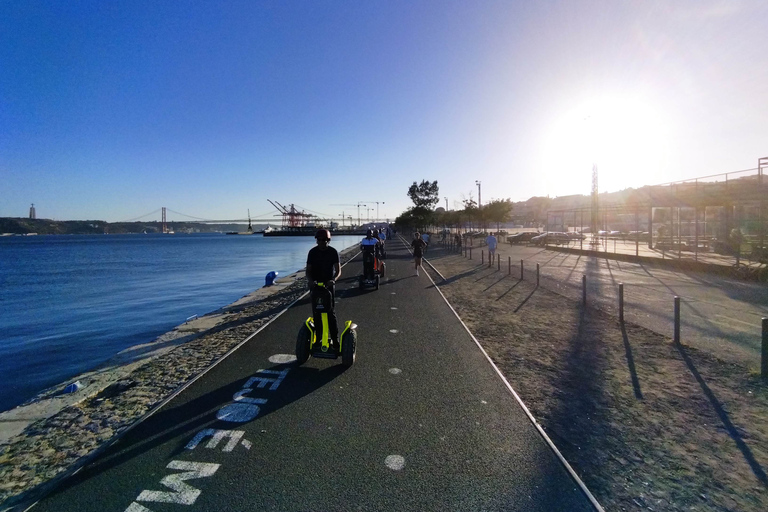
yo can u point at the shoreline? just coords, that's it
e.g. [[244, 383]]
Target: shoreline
[[54, 434]]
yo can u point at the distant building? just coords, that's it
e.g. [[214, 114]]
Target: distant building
[[32, 214]]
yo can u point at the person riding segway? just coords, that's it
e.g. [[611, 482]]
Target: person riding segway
[[369, 247], [319, 336]]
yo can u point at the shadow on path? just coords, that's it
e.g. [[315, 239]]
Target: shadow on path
[[187, 419], [631, 363], [732, 430]]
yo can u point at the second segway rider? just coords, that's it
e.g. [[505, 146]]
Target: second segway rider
[[368, 246], [324, 266]]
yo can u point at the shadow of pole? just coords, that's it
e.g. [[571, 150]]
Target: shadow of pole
[[723, 415], [525, 300], [631, 363]]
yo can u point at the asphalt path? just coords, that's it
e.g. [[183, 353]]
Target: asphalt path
[[718, 314], [421, 421]]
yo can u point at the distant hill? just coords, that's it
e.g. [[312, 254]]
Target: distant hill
[[22, 226]]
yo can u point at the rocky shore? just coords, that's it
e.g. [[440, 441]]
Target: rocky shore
[[55, 434]]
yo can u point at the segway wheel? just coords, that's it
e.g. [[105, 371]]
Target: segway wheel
[[348, 347], [302, 344], [378, 278]]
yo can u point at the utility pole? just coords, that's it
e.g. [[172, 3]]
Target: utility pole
[[446, 204], [479, 206]]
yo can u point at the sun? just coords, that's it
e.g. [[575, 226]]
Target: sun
[[627, 138]]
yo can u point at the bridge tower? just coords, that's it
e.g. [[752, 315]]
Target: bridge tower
[[163, 224]]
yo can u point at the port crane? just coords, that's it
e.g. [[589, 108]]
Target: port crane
[[292, 217]]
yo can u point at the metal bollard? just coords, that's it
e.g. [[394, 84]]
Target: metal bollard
[[498, 264], [470, 252], [521, 270], [510, 265], [677, 319], [482, 256], [537, 274], [764, 359], [621, 302], [584, 289]]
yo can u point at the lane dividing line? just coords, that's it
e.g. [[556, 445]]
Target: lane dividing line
[[520, 402], [424, 260]]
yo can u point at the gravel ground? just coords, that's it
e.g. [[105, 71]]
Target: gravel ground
[[647, 424]]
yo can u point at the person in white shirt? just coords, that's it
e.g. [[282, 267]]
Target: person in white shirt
[[492, 243]]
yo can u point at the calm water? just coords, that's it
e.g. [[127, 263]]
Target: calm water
[[69, 303]]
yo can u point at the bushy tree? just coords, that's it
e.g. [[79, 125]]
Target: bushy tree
[[498, 211], [425, 194]]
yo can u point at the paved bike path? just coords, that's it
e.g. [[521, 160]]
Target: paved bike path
[[421, 421]]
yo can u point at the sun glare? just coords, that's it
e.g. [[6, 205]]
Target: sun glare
[[626, 138]]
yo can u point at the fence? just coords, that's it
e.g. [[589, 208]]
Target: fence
[[652, 302]]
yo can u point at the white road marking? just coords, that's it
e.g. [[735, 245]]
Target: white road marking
[[752, 326], [393, 331], [239, 412], [216, 437], [393, 308], [282, 358], [395, 371], [395, 462], [263, 381], [135, 507], [183, 494]]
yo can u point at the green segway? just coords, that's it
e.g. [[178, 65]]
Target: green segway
[[314, 337]]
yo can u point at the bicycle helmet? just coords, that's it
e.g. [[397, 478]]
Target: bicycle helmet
[[323, 234]]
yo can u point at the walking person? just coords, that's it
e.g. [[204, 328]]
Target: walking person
[[492, 243], [418, 246]]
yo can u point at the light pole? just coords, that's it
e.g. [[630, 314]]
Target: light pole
[[479, 206], [359, 204], [446, 204], [377, 208]]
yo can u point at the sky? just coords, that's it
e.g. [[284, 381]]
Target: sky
[[112, 110]]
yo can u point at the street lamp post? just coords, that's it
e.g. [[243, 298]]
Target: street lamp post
[[377, 210], [479, 205], [446, 204]]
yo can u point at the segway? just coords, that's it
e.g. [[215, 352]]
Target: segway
[[314, 339], [370, 276]]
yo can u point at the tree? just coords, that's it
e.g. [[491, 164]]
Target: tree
[[415, 218], [425, 194], [498, 211]]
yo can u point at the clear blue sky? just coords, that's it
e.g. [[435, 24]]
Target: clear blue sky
[[110, 110]]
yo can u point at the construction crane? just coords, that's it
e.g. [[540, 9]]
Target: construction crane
[[291, 216], [358, 205]]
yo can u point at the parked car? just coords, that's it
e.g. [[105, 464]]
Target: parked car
[[522, 237], [551, 237]]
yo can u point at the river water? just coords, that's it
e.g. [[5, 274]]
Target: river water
[[68, 303]]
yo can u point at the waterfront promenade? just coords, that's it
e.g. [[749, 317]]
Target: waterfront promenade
[[422, 421]]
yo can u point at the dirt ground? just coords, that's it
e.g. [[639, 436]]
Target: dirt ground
[[647, 424]]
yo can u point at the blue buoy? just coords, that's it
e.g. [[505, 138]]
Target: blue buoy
[[270, 279]]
